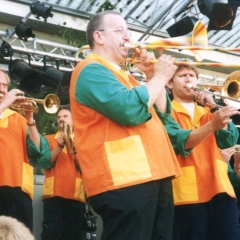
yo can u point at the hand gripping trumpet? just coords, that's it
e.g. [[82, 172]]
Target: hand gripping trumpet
[[50, 103], [68, 137], [230, 90]]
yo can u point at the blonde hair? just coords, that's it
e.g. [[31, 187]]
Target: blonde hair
[[7, 77], [12, 229]]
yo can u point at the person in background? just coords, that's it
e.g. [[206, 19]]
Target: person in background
[[12, 229], [63, 192], [233, 172], [205, 202], [125, 154], [19, 140]]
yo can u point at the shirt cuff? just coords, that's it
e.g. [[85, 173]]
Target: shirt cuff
[[143, 94], [225, 133]]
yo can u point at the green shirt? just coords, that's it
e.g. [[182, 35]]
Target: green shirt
[[41, 155], [125, 106], [233, 177], [225, 137]]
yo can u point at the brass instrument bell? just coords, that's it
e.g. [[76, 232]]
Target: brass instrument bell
[[50, 103]]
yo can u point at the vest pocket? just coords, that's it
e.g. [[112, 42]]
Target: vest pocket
[[48, 187], [79, 193], [185, 187], [127, 160], [27, 179], [226, 184]]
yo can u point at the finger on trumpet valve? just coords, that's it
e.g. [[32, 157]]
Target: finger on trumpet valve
[[237, 148]]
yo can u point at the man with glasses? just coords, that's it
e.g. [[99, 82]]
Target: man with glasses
[[125, 155]]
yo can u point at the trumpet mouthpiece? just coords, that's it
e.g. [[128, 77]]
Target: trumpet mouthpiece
[[129, 45], [189, 86]]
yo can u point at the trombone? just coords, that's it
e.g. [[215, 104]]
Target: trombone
[[196, 41], [50, 103], [198, 37], [230, 90]]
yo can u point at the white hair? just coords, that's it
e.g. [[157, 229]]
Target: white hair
[[12, 229]]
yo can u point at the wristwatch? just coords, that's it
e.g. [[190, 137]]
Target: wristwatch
[[212, 110], [31, 124]]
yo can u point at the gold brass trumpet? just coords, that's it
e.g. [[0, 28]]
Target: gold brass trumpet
[[230, 90], [68, 137], [50, 103], [237, 148]]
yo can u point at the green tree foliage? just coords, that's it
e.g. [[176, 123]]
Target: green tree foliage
[[72, 37]]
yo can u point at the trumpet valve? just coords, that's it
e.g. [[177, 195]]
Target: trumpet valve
[[237, 148]]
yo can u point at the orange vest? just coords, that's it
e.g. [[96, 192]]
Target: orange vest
[[112, 155], [63, 179], [14, 168], [204, 171]]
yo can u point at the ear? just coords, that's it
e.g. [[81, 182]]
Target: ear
[[98, 37], [170, 84]]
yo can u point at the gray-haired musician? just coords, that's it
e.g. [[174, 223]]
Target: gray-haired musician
[[19, 141]]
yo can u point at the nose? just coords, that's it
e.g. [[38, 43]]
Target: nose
[[127, 35], [1, 87], [188, 78], [60, 119]]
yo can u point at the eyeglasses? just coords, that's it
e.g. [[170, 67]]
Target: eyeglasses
[[123, 31]]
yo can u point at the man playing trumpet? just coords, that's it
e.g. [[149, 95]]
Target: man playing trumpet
[[63, 193], [205, 202], [19, 141]]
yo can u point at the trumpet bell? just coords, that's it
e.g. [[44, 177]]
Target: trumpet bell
[[51, 103], [198, 37], [231, 88]]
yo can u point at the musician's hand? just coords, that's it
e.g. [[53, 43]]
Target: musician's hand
[[165, 67], [222, 116], [237, 164], [227, 153], [11, 97], [145, 59], [29, 116], [60, 141], [205, 99]]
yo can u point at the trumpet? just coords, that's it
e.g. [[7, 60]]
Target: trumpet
[[68, 137], [237, 148], [230, 90], [50, 103]]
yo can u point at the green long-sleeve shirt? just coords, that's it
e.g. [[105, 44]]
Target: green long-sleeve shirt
[[125, 106], [233, 177], [225, 137], [38, 155]]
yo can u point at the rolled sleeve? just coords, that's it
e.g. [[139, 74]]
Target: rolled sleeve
[[227, 137], [42, 155], [177, 135]]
